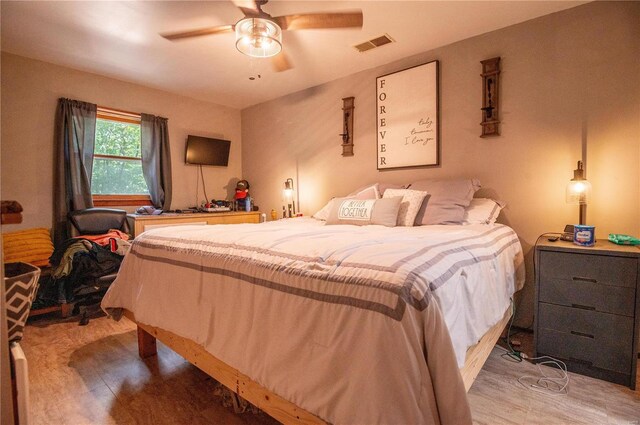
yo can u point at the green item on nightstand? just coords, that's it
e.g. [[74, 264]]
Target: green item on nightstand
[[623, 239]]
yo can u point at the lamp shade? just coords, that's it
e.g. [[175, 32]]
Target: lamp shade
[[578, 189], [288, 190], [258, 37], [578, 192]]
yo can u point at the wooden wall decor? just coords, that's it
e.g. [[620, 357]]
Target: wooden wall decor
[[11, 212], [490, 97], [347, 126]]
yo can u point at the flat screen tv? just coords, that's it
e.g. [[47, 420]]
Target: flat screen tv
[[207, 151]]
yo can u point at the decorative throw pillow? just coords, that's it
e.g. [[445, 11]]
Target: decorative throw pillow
[[446, 200], [482, 211], [32, 246], [367, 192], [361, 212], [410, 205]]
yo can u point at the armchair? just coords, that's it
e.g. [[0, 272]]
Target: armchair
[[91, 221], [96, 221]]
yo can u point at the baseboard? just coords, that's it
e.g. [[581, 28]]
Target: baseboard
[[22, 382]]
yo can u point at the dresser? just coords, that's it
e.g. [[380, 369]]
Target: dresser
[[587, 308], [139, 222]]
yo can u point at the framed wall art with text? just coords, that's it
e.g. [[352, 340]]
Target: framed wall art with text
[[407, 116]]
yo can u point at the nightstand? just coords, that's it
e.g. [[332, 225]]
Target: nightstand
[[587, 308]]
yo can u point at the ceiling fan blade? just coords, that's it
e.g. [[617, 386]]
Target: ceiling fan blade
[[320, 20], [281, 62], [198, 33], [248, 7]]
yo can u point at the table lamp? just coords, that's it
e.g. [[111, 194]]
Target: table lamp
[[579, 192], [288, 197]]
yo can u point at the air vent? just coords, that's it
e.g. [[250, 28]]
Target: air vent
[[373, 43]]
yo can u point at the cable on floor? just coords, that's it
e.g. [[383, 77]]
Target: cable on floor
[[546, 383], [512, 354]]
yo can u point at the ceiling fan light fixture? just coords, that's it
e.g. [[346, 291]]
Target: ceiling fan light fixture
[[258, 37]]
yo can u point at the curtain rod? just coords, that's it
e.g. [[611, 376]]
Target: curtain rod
[[108, 109]]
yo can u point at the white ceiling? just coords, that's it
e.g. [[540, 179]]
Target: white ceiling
[[120, 40]]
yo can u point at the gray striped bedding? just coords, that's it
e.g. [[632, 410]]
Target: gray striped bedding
[[339, 320]]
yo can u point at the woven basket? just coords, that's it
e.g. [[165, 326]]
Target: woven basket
[[21, 284]]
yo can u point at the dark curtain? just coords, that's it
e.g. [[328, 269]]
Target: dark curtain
[[75, 132], [156, 159]]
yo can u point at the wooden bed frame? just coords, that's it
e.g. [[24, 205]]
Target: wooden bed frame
[[272, 404]]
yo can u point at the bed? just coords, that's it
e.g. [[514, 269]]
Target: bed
[[316, 323]]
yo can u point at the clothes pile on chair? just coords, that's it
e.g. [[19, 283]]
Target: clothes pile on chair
[[80, 263]]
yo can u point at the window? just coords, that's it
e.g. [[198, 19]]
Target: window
[[117, 165]]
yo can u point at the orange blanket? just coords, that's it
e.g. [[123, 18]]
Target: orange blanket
[[104, 238]]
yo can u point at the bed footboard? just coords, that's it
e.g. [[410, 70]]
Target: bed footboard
[[272, 404], [269, 402]]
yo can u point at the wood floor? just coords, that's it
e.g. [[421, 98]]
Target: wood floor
[[92, 375]]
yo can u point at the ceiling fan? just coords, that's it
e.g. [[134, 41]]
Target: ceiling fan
[[259, 34]]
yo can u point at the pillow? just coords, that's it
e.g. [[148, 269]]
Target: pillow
[[482, 211], [361, 212], [367, 192], [446, 200], [323, 213], [382, 187], [410, 205], [32, 246]]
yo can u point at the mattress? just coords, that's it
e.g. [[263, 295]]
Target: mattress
[[353, 324]]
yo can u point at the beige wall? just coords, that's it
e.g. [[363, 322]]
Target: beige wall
[[569, 77], [30, 90]]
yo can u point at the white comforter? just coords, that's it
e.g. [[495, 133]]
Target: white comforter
[[337, 319]]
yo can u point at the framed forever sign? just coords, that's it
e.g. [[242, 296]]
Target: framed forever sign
[[407, 117]]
